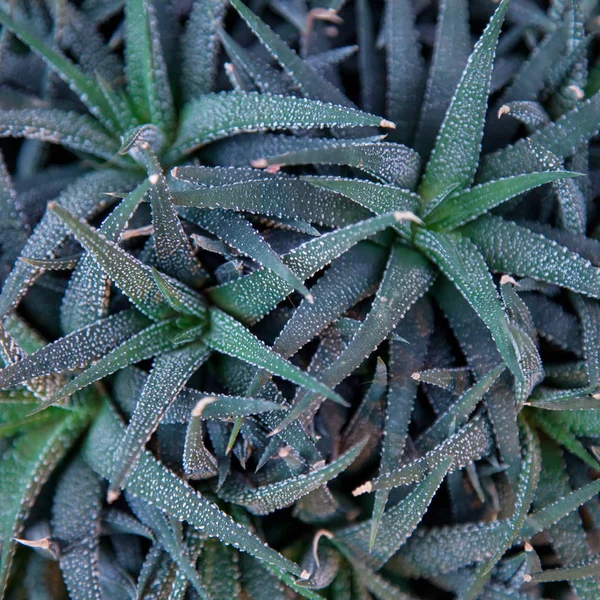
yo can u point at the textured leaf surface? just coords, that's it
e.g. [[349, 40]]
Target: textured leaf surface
[[459, 260], [451, 50], [152, 482], [76, 350], [86, 298], [456, 152], [131, 275], [84, 198], [76, 525], [311, 84], [216, 116], [510, 248], [169, 374], [266, 499], [81, 84], [25, 468], [405, 72], [230, 337], [397, 523], [147, 80], [288, 198], [201, 44], [407, 278], [254, 295], [458, 209], [76, 132], [389, 163]]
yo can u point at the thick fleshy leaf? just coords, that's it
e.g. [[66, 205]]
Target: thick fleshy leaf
[[416, 327], [169, 374], [309, 82], [76, 350], [407, 278], [571, 573], [376, 197], [87, 89], [254, 295], [269, 498], [156, 521], [450, 53], [230, 337], [201, 45], [216, 116], [131, 275], [86, 298], [461, 262], [468, 444], [74, 131], [405, 69], [147, 80], [528, 480], [397, 523], [83, 198], [238, 233], [288, 198], [458, 413], [389, 163], [458, 209], [152, 340], [455, 155], [562, 138], [154, 483], [174, 253], [510, 248], [25, 468], [76, 511]]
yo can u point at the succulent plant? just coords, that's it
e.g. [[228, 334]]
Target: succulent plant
[[232, 296]]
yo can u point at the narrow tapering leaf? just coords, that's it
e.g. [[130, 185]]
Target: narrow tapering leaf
[[456, 152]]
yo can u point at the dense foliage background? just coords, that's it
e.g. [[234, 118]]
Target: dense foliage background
[[300, 299]]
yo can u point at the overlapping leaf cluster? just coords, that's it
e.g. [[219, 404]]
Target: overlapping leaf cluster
[[253, 348]]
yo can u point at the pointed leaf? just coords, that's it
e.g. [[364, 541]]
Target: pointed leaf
[[87, 90], [76, 132], [25, 467], [456, 153], [230, 337], [461, 262], [450, 53], [76, 350], [200, 43], [405, 72], [269, 498], [216, 116], [76, 511], [254, 295], [169, 374], [397, 523], [152, 482], [311, 84], [512, 249], [146, 72], [86, 298], [131, 275], [458, 209]]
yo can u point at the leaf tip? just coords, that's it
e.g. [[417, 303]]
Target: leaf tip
[[503, 110], [387, 124], [577, 91], [365, 488], [406, 215], [201, 405], [259, 163], [112, 496]]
